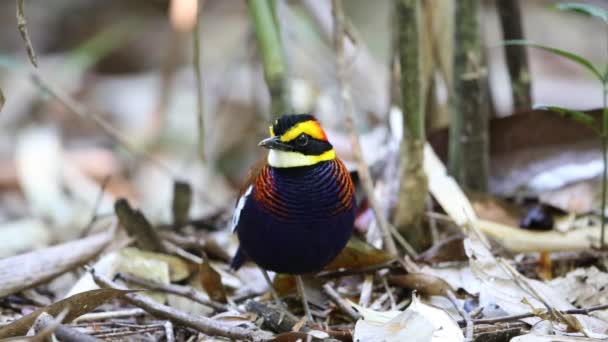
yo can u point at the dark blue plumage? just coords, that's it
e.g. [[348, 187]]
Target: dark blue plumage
[[296, 220]]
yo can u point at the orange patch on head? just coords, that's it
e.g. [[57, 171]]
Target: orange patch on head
[[310, 127]]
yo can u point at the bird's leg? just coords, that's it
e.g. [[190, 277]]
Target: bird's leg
[[300, 285], [274, 293]]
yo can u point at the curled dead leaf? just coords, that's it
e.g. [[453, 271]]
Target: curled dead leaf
[[211, 281]]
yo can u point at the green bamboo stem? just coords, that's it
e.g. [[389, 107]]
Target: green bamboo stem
[[516, 55], [271, 52], [413, 181], [199, 87], [469, 141]]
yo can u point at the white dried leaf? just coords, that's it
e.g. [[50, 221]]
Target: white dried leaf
[[419, 323]]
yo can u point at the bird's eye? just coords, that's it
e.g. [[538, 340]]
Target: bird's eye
[[302, 140]]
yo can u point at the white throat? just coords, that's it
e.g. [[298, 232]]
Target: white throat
[[278, 158]]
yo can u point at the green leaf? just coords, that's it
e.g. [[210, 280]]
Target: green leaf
[[569, 55], [575, 115], [586, 9]]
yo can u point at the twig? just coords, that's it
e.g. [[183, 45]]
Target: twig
[[22, 25], [389, 292], [366, 290], [105, 126], [199, 323], [180, 252], [362, 169], [402, 241], [169, 335], [98, 200], [467, 319], [340, 302], [581, 311], [129, 332], [199, 83], [63, 332], [432, 221], [100, 316], [353, 271], [184, 291]]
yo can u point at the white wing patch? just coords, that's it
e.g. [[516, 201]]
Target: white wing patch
[[239, 207]]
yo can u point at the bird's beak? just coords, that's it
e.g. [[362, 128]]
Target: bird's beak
[[275, 143]]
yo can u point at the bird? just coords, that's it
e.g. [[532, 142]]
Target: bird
[[298, 212]]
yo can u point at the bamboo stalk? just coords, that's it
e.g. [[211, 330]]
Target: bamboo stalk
[[515, 55], [271, 52], [200, 114], [347, 105], [413, 181], [469, 142]]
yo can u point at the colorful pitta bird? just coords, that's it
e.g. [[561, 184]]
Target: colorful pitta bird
[[298, 213]]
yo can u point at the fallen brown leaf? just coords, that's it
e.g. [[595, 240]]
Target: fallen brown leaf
[[423, 283], [76, 305], [212, 283], [358, 254]]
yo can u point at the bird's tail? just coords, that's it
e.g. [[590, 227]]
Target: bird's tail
[[238, 259]]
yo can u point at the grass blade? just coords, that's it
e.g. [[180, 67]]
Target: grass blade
[[569, 55]]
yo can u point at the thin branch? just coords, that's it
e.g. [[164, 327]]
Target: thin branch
[[347, 105], [100, 316], [184, 291], [105, 126], [199, 323], [199, 83], [467, 319], [22, 25], [62, 332], [169, 334], [340, 302], [581, 311]]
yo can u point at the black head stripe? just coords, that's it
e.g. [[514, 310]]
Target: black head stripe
[[285, 122]]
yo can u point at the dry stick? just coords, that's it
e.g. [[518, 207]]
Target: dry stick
[[63, 333], [94, 215], [469, 323], [389, 293], [124, 333], [105, 126], [362, 169], [340, 302], [169, 335], [199, 323], [199, 83], [22, 25], [100, 316], [581, 311], [180, 290], [353, 271]]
